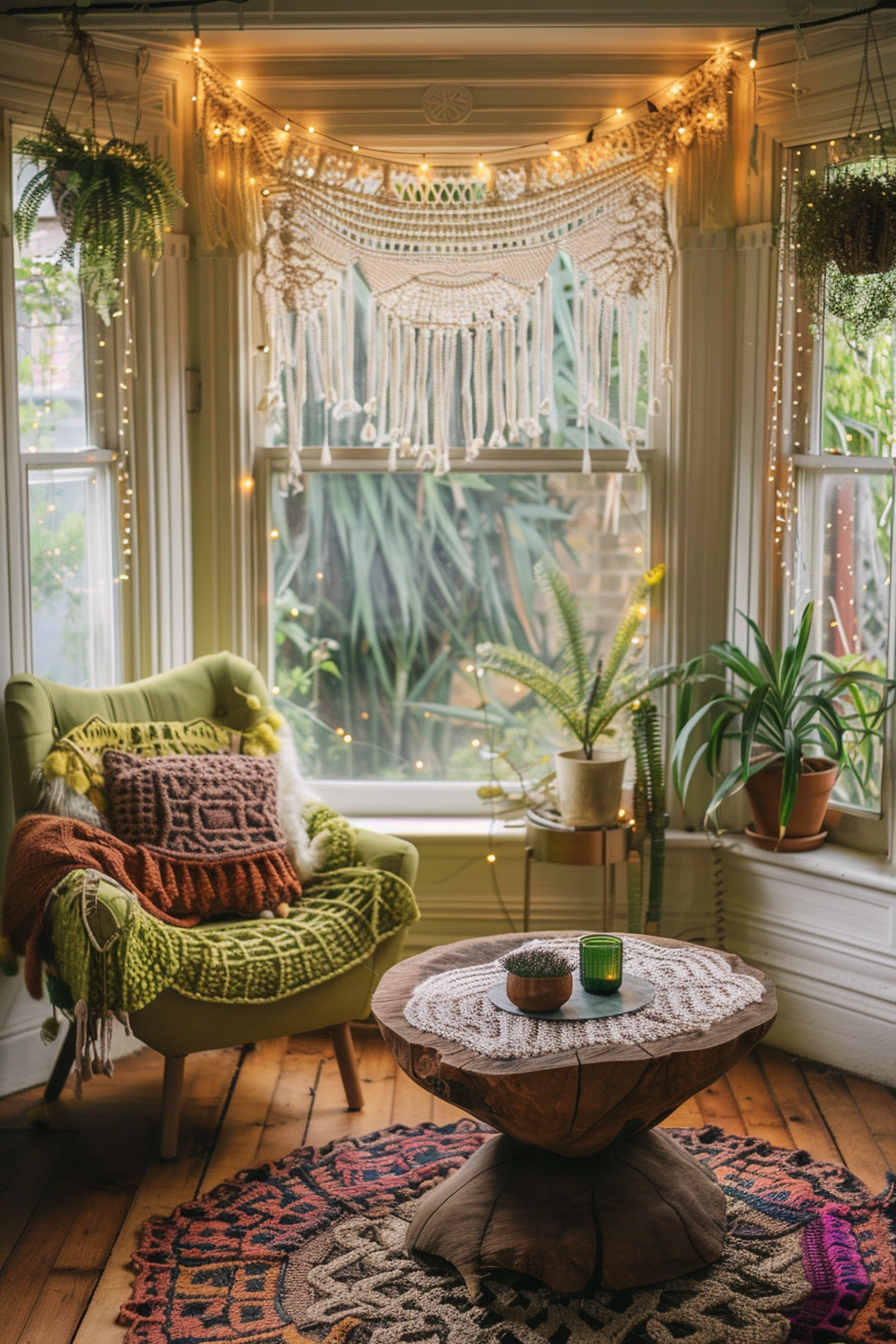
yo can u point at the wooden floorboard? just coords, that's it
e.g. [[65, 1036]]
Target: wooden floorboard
[[74, 1197]]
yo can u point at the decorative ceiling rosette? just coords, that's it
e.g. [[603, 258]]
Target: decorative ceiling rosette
[[460, 319]]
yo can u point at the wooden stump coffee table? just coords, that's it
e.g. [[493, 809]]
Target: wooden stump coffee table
[[578, 1190]]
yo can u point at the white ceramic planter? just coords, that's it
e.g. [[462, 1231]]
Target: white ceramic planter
[[589, 792]]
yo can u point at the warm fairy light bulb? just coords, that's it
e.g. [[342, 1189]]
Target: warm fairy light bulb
[[491, 858], [239, 83], [355, 148], [310, 130], [752, 65], [555, 153], [196, 44], [418, 765], [619, 111], [481, 166], [286, 125]]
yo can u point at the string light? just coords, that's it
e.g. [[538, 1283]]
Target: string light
[[649, 103]]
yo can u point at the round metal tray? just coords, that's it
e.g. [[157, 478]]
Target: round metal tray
[[632, 994]]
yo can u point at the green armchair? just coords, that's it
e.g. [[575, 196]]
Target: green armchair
[[37, 712]]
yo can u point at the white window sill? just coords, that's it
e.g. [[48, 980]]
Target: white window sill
[[831, 862]]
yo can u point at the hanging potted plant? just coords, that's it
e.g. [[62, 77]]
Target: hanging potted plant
[[788, 713], [844, 233], [586, 698], [112, 196]]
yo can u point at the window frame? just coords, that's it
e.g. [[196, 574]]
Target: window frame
[[423, 797], [94, 454], [859, 828]]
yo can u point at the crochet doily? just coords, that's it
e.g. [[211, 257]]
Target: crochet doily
[[695, 988]]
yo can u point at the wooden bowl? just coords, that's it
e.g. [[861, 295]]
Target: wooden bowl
[[543, 994]]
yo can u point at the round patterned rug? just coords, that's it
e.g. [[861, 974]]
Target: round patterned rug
[[310, 1250]]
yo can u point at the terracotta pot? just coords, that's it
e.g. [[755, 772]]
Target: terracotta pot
[[812, 794], [542, 994], [589, 792]]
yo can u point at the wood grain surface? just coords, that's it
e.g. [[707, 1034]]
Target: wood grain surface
[[640, 1212], [576, 1102]]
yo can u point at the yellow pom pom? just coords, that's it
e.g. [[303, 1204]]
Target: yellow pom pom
[[77, 781], [56, 765], [250, 749], [274, 719], [39, 1116], [253, 702], [265, 733]]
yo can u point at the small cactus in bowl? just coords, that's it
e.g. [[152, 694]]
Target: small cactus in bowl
[[539, 979]]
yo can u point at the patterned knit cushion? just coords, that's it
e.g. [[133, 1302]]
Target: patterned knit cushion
[[214, 806]]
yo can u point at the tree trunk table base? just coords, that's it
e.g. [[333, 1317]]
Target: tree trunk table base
[[639, 1212], [580, 1190]]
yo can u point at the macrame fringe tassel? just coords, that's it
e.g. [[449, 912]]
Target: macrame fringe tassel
[[430, 387]]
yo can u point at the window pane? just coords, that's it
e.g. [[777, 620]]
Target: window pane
[[49, 337], [848, 573], [385, 583], [74, 607], [857, 392]]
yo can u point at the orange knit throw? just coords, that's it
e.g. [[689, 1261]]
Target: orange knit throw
[[178, 890]]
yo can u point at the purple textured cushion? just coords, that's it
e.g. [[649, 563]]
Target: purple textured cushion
[[214, 806]]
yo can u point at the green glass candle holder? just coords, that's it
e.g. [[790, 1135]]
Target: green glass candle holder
[[600, 963]]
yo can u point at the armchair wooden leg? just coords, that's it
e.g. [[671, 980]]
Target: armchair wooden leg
[[63, 1066], [172, 1092], [344, 1047]]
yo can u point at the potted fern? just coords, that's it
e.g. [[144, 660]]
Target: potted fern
[[112, 197], [586, 698]]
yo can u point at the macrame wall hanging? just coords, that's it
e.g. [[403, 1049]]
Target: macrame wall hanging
[[459, 336]]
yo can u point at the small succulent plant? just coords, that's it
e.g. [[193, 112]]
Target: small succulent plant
[[537, 963]]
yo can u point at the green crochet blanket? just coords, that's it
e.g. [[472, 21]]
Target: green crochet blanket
[[121, 958]]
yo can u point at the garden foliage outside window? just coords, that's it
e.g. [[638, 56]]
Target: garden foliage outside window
[[382, 584]]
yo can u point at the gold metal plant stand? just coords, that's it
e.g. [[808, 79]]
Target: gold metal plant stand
[[548, 841]]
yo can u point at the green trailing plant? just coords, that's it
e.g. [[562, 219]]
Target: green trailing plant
[[112, 198], [537, 963], [645, 877], [585, 698], [779, 710], [844, 233]]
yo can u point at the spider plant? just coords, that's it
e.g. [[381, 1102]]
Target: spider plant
[[585, 698], [780, 709], [112, 197]]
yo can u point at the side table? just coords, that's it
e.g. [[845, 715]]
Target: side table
[[598, 847], [579, 1188]]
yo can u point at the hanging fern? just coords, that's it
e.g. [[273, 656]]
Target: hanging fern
[[844, 233], [112, 198]]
